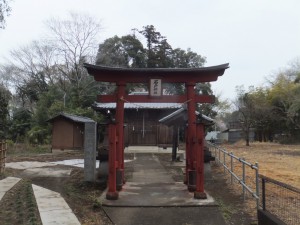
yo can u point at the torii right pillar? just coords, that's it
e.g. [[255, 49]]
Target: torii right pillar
[[194, 147]]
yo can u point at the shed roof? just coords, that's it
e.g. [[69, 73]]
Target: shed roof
[[75, 118]]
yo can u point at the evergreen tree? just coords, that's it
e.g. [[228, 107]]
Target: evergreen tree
[[4, 100]]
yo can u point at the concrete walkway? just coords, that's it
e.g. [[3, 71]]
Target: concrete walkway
[[6, 184], [152, 197], [53, 208]]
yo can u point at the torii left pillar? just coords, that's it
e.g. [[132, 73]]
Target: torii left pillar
[[120, 134], [112, 193]]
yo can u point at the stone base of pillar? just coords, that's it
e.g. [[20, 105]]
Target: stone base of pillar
[[200, 195], [112, 195]]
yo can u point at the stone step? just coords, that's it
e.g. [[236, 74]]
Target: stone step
[[146, 148], [149, 149]]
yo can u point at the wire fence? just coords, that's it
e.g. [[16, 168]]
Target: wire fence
[[281, 200], [3, 148], [238, 170], [277, 198]]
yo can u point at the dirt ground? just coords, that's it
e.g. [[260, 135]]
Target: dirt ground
[[278, 162], [274, 161], [81, 196]]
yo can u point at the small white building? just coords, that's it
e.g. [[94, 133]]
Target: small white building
[[212, 135]]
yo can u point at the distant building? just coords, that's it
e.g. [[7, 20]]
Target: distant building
[[222, 136], [235, 133], [212, 135]]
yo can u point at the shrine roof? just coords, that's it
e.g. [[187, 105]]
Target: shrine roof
[[148, 105], [113, 74]]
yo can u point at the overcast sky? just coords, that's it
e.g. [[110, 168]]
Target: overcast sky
[[256, 37]]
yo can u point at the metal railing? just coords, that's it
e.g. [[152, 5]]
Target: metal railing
[[281, 200], [3, 148], [229, 161]]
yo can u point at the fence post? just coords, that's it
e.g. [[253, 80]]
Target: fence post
[[244, 178], [224, 161], [263, 184], [219, 156], [231, 167], [216, 153], [257, 184]]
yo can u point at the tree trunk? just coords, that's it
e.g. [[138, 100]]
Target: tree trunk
[[247, 136], [247, 142]]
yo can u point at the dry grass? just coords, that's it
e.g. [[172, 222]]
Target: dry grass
[[280, 162]]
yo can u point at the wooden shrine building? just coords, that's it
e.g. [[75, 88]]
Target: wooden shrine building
[[156, 77], [141, 122]]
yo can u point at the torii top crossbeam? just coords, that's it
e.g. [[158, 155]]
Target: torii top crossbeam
[[140, 75]]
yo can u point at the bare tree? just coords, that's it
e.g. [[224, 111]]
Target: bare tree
[[75, 41], [30, 70], [4, 11], [55, 60], [31, 60], [246, 109]]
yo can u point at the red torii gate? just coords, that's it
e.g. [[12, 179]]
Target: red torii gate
[[156, 77]]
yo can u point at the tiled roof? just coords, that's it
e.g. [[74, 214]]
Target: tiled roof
[[79, 119], [156, 70], [172, 115], [180, 116]]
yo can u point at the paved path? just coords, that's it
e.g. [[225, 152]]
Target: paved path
[[53, 208], [6, 184], [152, 197]]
